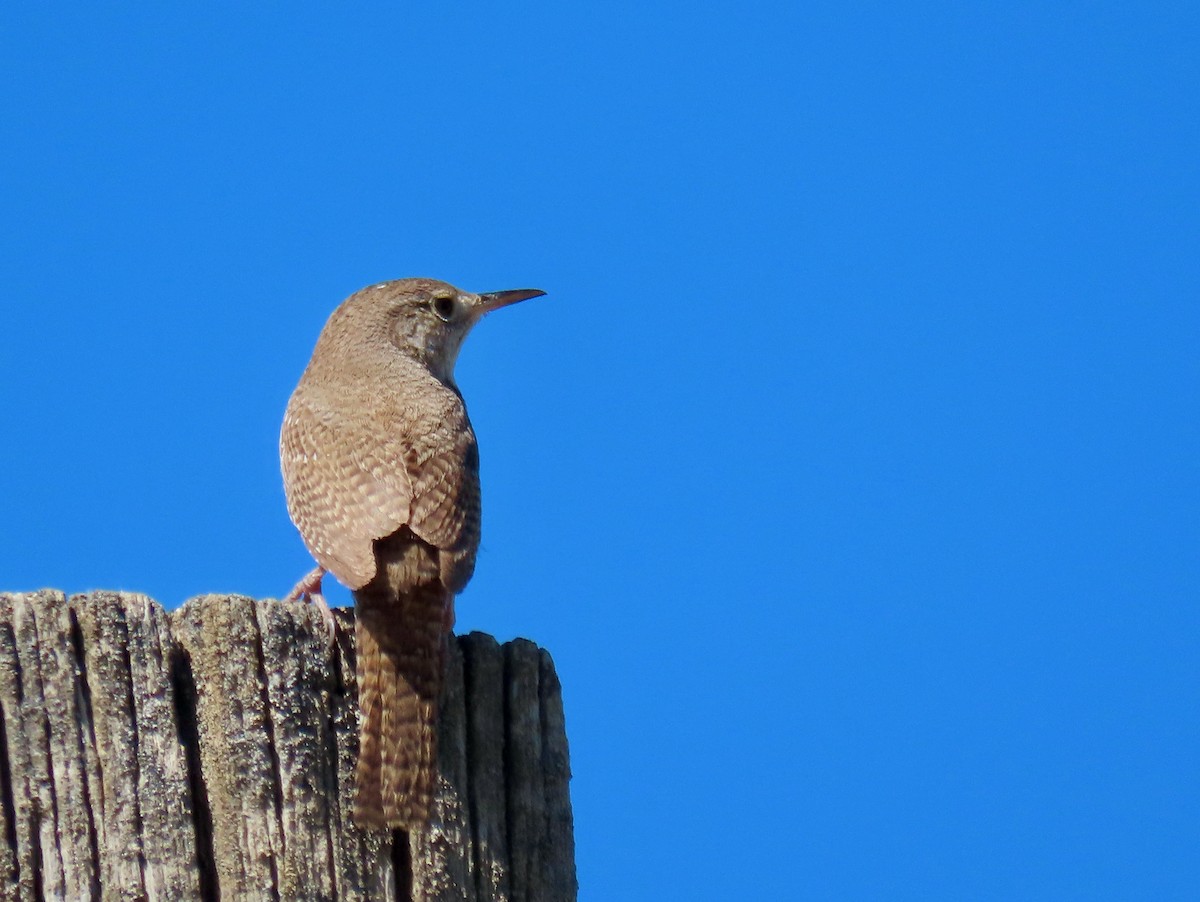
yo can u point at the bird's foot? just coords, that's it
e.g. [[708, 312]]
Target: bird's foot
[[309, 589]]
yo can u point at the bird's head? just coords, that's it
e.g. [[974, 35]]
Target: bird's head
[[424, 319]]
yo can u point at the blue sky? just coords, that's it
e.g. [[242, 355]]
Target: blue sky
[[849, 469]]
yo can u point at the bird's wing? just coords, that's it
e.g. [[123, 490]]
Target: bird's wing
[[344, 489], [445, 505], [408, 463]]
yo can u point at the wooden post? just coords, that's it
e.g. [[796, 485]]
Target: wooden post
[[208, 754]]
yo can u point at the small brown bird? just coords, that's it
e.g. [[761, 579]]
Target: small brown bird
[[381, 473]]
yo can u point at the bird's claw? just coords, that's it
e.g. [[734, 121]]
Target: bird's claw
[[309, 590]]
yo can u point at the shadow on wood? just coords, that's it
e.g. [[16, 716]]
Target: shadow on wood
[[208, 754]]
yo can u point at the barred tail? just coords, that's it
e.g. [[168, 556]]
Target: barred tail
[[400, 659]]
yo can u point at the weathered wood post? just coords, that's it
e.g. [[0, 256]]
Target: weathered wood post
[[208, 754]]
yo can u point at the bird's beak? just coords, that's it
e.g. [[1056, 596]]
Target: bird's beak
[[494, 300]]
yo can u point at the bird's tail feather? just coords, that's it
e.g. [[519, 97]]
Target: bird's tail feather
[[399, 668]]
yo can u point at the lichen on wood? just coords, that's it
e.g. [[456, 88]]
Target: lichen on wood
[[208, 754]]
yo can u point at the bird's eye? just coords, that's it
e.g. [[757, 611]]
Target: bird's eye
[[443, 307]]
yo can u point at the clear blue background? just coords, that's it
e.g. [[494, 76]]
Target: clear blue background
[[849, 470]]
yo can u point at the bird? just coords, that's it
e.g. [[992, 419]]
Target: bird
[[381, 475]]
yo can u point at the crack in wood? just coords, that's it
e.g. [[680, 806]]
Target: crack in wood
[[275, 774], [89, 727], [208, 878]]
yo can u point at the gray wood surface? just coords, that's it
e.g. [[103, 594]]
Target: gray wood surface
[[208, 754]]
